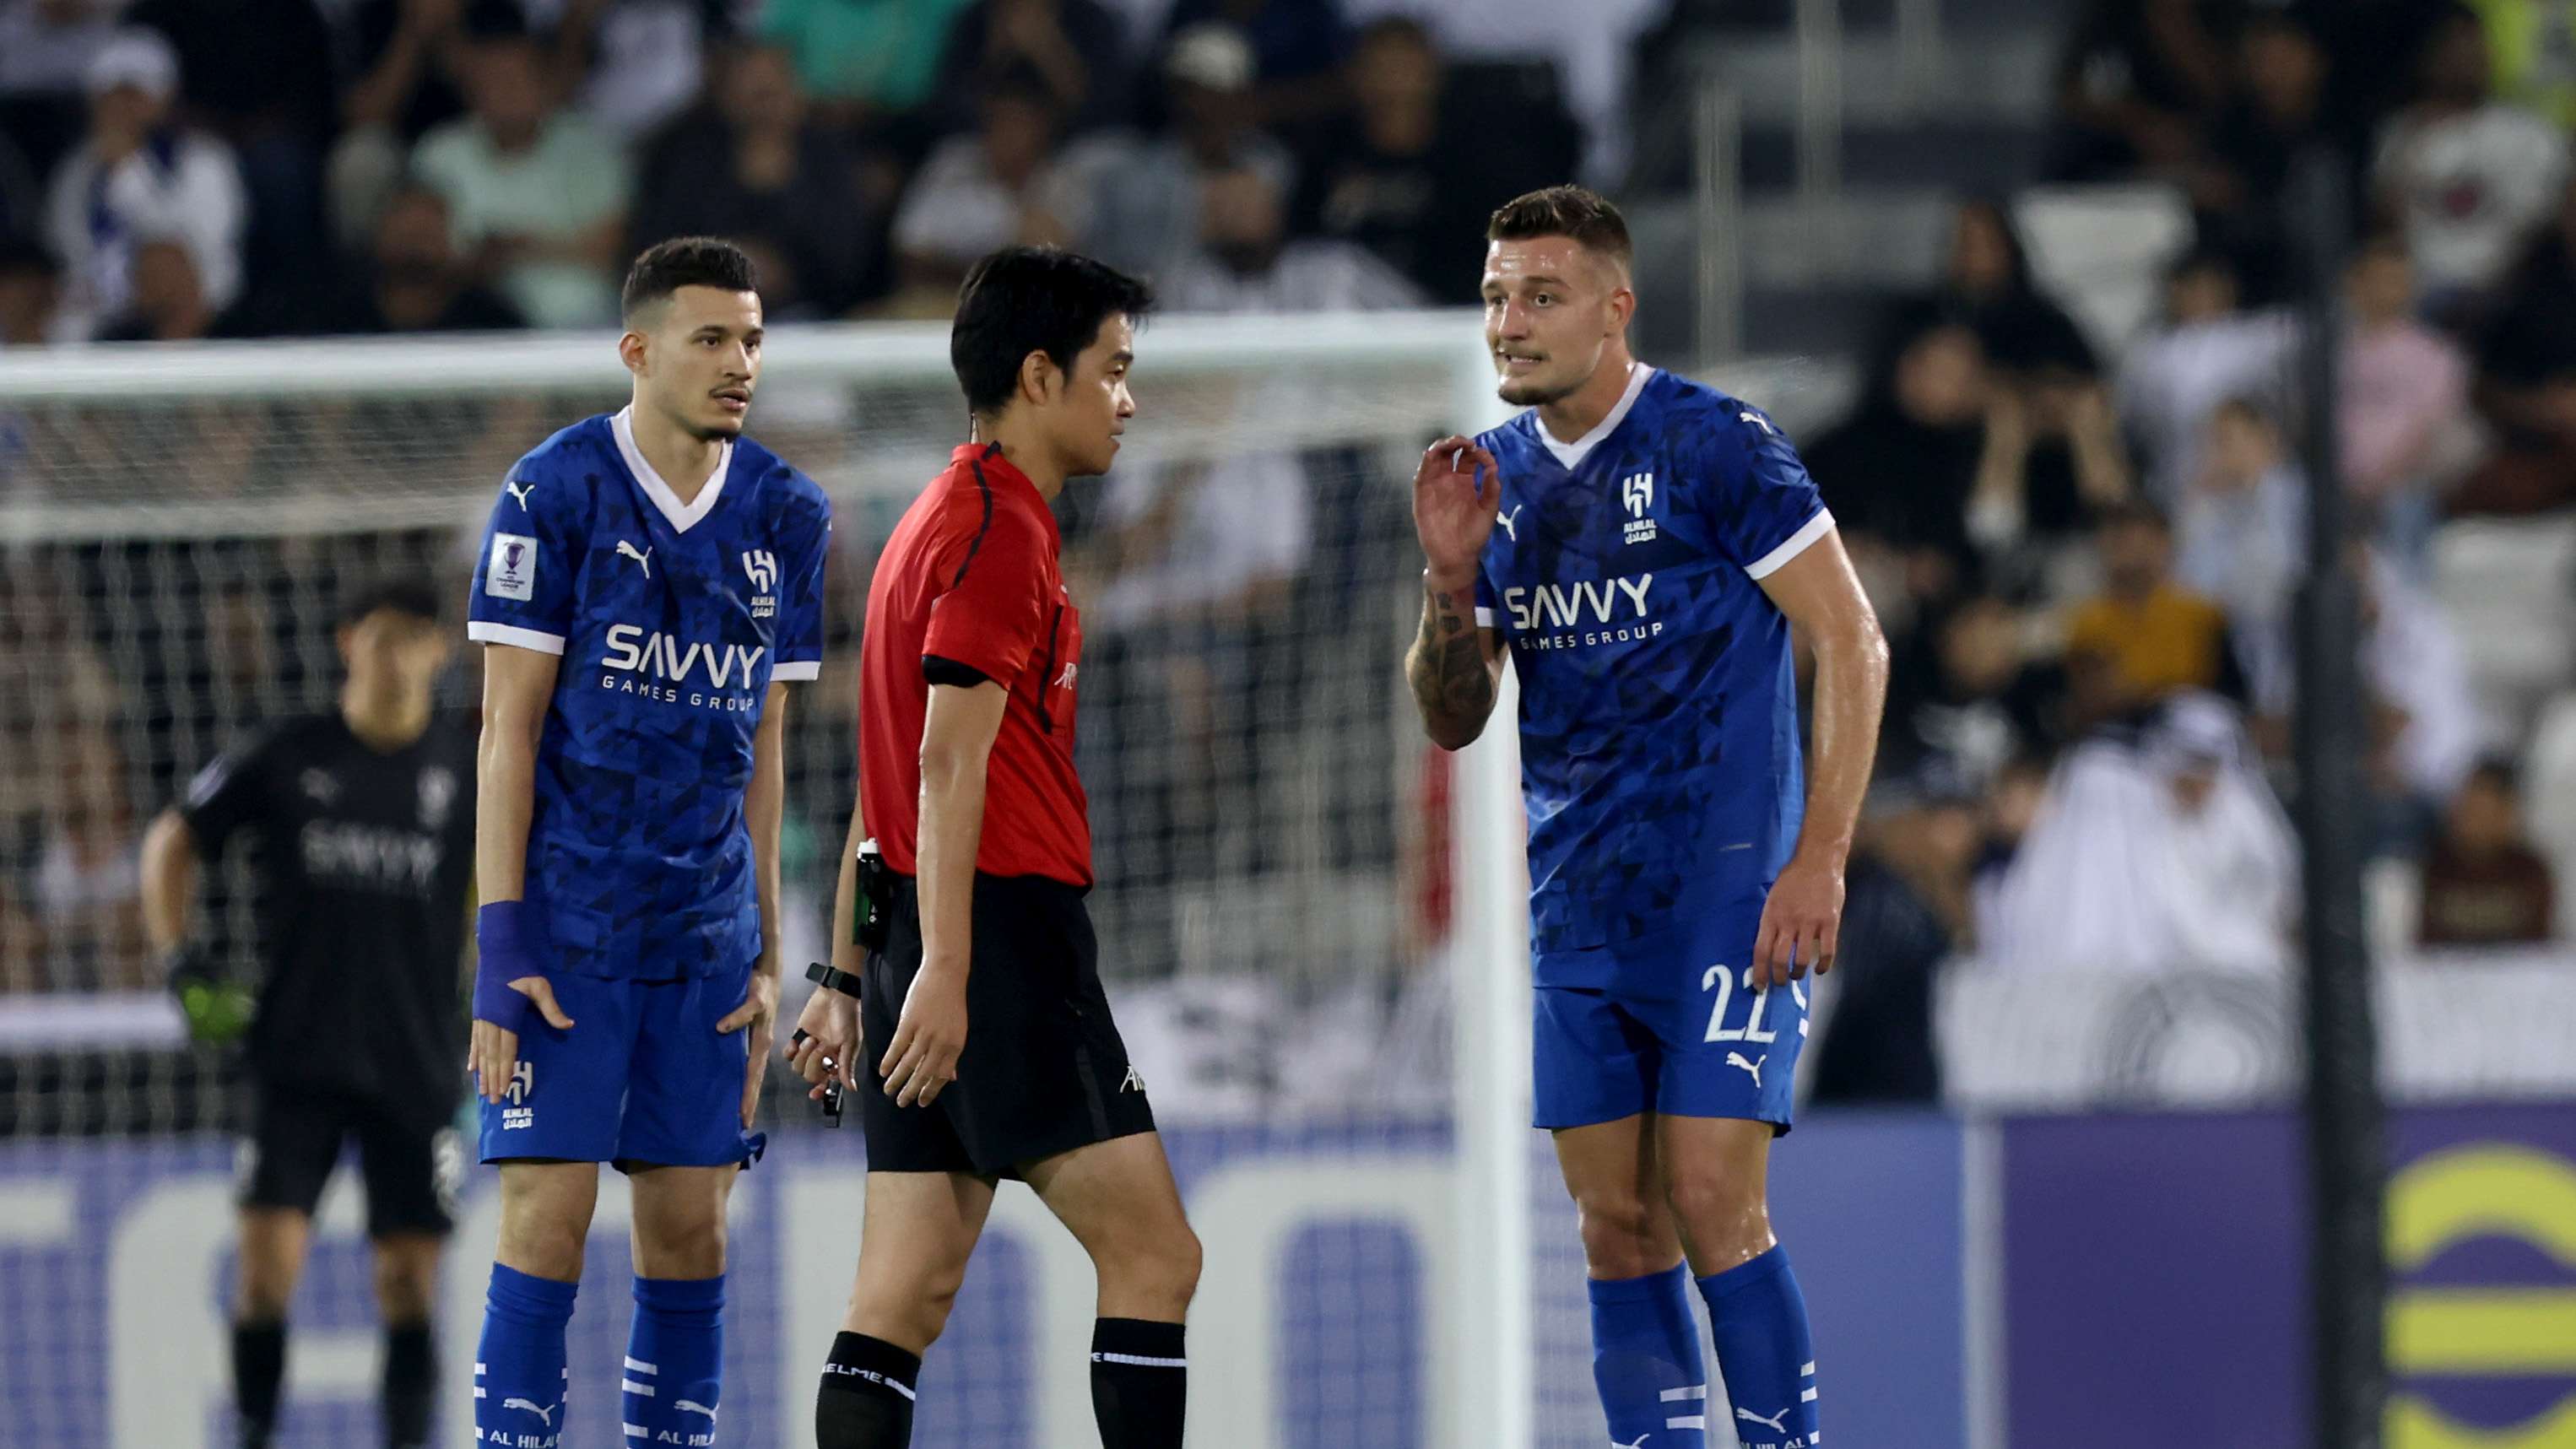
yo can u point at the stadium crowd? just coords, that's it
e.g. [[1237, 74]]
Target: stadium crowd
[[2084, 548]]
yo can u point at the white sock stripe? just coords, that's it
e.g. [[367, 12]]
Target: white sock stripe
[[1695, 1391], [1688, 1421], [1807, 1369], [636, 1431], [903, 1389], [641, 1367], [641, 1391], [478, 1368], [1817, 1437], [1140, 1361], [478, 1391], [1808, 1397]]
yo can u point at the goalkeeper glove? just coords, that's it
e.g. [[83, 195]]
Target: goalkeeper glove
[[217, 1007]]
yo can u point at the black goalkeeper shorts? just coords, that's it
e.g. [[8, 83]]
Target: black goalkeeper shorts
[[1043, 1072], [411, 1171]]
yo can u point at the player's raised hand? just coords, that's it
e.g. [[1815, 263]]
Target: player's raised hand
[[827, 1042], [494, 1054], [1457, 493], [928, 1038], [759, 1014], [1801, 923]]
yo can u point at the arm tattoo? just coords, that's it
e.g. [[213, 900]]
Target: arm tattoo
[[1452, 684]]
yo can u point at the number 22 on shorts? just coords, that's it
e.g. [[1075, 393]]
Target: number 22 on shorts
[[1722, 981]]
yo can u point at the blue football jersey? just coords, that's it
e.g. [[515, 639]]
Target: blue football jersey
[[671, 620], [1660, 760]]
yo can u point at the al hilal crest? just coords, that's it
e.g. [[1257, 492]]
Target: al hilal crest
[[1637, 495], [761, 567]]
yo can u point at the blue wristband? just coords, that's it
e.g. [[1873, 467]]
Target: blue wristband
[[505, 937]]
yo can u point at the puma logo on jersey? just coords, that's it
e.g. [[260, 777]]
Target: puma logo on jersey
[[627, 550], [519, 491], [1759, 421], [545, 1413], [1752, 1069], [1508, 518], [1777, 1423]]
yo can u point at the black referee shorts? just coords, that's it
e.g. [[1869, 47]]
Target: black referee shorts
[[411, 1169], [1044, 1071]]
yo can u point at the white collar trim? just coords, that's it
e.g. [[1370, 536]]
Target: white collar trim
[[1572, 454], [683, 516]]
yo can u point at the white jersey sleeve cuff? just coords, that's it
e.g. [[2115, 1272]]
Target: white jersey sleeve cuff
[[1484, 618], [797, 669], [1792, 546], [484, 631]]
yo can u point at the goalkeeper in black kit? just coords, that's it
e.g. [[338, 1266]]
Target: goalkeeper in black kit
[[360, 827]]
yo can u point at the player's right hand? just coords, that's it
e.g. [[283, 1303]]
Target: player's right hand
[[928, 1038], [826, 1043], [494, 1054], [1457, 493]]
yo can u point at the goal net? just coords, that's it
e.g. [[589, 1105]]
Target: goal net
[[1287, 876]]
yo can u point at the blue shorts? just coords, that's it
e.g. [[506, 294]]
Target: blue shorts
[[641, 1078], [1722, 1050]]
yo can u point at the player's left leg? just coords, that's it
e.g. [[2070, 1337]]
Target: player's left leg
[[293, 1145], [1118, 1199], [1729, 1061], [412, 1171], [683, 1142]]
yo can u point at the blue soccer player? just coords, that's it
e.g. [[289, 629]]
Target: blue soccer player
[[648, 583], [1648, 549]]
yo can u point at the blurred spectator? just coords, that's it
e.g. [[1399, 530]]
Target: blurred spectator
[[259, 73], [538, 193], [2241, 537], [2158, 848], [996, 186], [139, 176], [2484, 884], [414, 281], [167, 304], [2278, 112], [2533, 43], [2137, 84], [31, 293], [2467, 176], [1145, 193], [1899, 471], [2146, 636], [1987, 280], [1297, 51], [2053, 461], [1905, 911], [1967, 697], [2405, 387], [637, 63], [2426, 719], [2208, 350], [2526, 382], [411, 62], [1245, 261], [1075, 48], [877, 57], [1412, 171], [756, 169], [86, 892], [46, 48]]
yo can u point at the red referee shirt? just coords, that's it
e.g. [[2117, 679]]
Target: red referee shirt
[[970, 575]]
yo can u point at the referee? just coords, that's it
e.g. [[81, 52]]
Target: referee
[[966, 781], [361, 827]]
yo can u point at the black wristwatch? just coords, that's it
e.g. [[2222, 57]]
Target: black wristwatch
[[830, 980]]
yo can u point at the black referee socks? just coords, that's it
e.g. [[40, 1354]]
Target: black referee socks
[[1139, 1383], [866, 1398]]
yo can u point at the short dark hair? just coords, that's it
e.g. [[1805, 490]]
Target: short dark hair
[[1568, 211], [686, 261], [1021, 300], [406, 594]]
